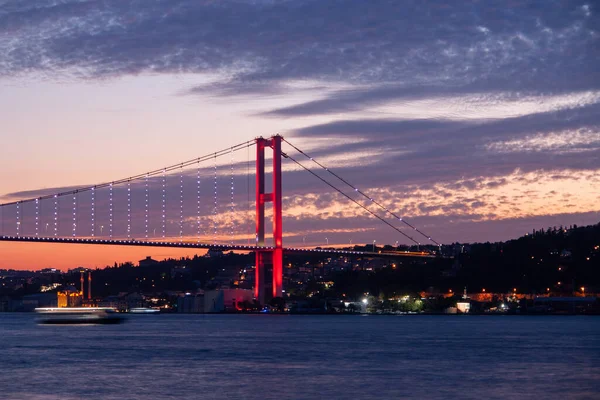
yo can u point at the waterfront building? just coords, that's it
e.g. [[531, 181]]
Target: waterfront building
[[190, 303], [464, 305], [69, 297], [226, 300], [566, 305], [32, 301]]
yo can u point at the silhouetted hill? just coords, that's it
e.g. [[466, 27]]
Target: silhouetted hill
[[557, 260]]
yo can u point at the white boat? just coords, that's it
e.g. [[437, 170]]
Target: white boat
[[144, 310], [78, 315]]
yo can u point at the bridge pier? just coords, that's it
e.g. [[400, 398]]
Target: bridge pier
[[261, 198], [259, 277]]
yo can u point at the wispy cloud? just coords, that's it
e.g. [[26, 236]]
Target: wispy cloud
[[438, 43], [450, 111]]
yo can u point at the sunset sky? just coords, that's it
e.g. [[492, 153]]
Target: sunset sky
[[474, 120]]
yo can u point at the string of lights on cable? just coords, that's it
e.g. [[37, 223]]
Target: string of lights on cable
[[118, 207], [373, 201]]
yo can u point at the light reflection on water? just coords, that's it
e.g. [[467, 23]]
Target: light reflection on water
[[302, 357]]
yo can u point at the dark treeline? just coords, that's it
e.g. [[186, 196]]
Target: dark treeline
[[556, 260], [185, 274], [535, 263]]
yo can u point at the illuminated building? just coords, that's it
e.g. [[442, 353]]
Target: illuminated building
[[226, 299], [70, 297], [465, 305]]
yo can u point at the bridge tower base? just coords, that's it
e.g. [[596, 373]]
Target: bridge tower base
[[276, 253]]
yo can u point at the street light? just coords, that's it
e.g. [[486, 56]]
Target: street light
[[101, 229], [374, 241], [327, 240]]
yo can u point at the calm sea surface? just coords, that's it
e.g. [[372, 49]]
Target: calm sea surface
[[302, 357]]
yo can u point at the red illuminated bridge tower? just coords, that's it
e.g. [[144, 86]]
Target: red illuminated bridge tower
[[276, 253]]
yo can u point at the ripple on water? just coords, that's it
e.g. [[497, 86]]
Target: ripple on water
[[302, 357]]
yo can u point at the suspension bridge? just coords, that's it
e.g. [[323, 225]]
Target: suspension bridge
[[183, 206]]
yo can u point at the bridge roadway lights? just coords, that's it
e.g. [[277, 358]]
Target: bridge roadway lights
[[262, 249]]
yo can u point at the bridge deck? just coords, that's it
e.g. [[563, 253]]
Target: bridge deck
[[197, 245]]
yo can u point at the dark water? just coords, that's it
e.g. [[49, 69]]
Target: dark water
[[302, 357]]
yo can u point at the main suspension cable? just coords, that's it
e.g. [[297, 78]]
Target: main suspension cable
[[363, 194], [350, 198], [174, 167]]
